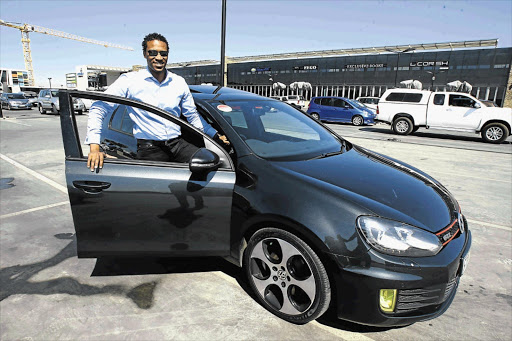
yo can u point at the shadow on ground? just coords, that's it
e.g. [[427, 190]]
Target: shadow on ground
[[17, 280]]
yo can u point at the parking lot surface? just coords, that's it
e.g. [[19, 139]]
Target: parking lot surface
[[47, 293]]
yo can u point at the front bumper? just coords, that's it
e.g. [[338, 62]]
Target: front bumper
[[20, 105], [425, 286]]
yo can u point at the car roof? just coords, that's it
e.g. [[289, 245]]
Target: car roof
[[209, 92], [331, 97]]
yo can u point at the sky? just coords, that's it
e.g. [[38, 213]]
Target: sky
[[193, 28]]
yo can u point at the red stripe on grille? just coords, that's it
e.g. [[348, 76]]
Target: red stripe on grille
[[446, 229]]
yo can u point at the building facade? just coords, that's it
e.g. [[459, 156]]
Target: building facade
[[12, 80], [486, 69]]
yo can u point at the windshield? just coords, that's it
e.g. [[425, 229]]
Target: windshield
[[15, 96], [55, 93], [356, 103], [276, 131]]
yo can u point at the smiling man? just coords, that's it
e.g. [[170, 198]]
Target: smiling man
[[157, 139]]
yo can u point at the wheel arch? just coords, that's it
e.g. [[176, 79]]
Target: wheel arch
[[505, 123], [403, 114]]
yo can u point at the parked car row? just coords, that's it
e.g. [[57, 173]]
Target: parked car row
[[48, 100], [294, 100]]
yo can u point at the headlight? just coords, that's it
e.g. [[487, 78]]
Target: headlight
[[398, 239]]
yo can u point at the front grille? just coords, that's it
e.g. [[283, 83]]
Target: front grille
[[450, 232], [424, 300]]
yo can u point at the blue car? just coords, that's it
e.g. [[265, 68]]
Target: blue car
[[340, 109]]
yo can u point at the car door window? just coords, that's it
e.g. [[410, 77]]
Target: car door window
[[338, 102], [461, 101], [326, 101], [439, 99]]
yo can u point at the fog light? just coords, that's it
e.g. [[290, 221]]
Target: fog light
[[387, 300]]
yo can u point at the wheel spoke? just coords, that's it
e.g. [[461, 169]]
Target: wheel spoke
[[308, 285], [288, 307], [261, 285], [288, 251]]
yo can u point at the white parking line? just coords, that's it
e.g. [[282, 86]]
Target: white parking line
[[11, 121], [344, 335], [33, 209], [502, 227], [35, 174]]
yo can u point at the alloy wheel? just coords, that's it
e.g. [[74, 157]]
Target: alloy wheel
[[402, 127], [494, 133], [283, 278]]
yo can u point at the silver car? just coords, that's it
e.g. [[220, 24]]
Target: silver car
[[14, 101], [48, 100]]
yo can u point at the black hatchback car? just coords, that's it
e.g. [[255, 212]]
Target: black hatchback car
[[294, 204]]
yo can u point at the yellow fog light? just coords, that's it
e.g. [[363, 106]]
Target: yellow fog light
[[387, 300]]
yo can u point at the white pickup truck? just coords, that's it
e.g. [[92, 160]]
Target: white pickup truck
[[407, 110]]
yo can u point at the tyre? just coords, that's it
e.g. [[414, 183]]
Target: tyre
[[79, 112], [54, 109], [42, 110], [495, 133], [357, 120], [287, 276], [415, 129], [9, 107], [315, 116], [402, 126]]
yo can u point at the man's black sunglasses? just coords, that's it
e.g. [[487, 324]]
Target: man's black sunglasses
[[154, 53]]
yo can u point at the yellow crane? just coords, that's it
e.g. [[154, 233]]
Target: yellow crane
[[26, 28]]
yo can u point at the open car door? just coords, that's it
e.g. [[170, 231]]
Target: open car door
[[139, 207]]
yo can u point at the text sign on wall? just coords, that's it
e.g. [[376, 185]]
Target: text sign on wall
[[363, 66], [430, 63], [306, 67]]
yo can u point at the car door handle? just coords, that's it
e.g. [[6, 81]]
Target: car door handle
[[91, 186]]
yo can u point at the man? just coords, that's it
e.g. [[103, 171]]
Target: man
[[157, 139]]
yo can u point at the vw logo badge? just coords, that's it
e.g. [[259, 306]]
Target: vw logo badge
[[460, 220], [281, 274]]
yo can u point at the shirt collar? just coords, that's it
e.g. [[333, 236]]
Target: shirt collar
[[167, 78]]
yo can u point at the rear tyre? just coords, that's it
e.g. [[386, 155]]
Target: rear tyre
[[495, 133], [287, 276], [42, 110], [357, 120], [402, 126], [315, 116]]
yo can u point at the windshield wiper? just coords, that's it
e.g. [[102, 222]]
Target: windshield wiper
[[324, 155]]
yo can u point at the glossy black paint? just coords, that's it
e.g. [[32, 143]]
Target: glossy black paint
[[166, 209]]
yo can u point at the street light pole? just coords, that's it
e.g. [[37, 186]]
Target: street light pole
[[50, 80], [433, 73], [398, 58], [223, 69]]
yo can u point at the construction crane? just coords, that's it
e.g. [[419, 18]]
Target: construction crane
[[25, 41]]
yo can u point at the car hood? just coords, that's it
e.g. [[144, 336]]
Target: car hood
[[505, 113], [380, 185]]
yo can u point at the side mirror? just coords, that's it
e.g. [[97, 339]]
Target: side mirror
[[477, 105], [204, 161]]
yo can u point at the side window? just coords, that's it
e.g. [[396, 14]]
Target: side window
[[326, 101], [318, 101], [439, 99], [404, 97], [461, 101], [337, 102]]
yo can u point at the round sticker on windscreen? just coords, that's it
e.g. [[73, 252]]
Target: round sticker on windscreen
[[225, 108]]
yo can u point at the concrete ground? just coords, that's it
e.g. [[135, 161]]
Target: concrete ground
[[47, 293]]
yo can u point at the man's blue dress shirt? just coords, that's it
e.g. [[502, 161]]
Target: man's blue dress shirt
[[172, 95]]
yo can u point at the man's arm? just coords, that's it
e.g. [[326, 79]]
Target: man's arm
[[189, 110], [97, 113]]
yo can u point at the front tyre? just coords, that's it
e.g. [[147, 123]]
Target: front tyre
[[315, 116], [402, 126], [42, 110], [495, 133], [357, 120], [287, 276]]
